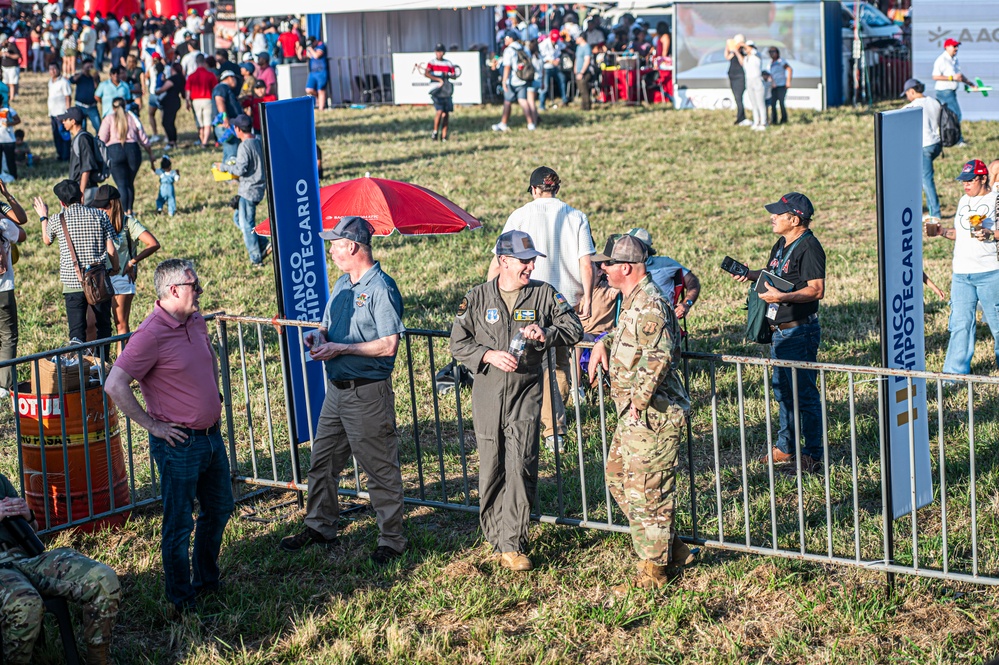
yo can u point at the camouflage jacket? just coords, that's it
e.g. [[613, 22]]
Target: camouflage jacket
[[644, 352]]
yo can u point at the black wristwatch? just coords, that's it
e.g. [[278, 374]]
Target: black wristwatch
[[689, 303]]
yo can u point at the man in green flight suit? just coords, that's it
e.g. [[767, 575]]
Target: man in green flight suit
[[506, 395], [62, 572], [643, 354]]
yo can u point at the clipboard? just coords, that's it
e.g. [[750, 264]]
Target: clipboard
[[777, 282]]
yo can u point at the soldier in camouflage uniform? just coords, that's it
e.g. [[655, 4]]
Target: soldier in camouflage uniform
[[642, 353], [62, 572]]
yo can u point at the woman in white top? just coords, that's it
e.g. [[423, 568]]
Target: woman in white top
[[976, 267], [755, 89]]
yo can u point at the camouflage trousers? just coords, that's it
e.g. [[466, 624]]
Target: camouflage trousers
[[62, 572], [641, 476]]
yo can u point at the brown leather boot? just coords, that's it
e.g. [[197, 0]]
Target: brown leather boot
[[99, 654], [650, 576]]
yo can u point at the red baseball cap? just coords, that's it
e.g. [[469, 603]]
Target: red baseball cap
[[555, 36], [951, 42], [969, 171]]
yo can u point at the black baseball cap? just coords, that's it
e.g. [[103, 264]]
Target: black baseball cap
[[72, 113], [539, 175], [243, 121], [357, 229], [440, 47], [67, 191], [792, 202], [105, 194]]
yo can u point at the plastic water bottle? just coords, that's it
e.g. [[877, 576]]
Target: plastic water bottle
[[517, 345]]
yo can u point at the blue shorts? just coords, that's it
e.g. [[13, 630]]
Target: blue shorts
[[445, 104], [317, 81], [514, 92]]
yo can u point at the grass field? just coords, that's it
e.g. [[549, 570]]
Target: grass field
[[699, 185]]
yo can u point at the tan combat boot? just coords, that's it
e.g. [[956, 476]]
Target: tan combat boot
[[517, 561], [650, 576], [680, 554]]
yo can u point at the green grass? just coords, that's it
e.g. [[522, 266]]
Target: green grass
[[699, 185]]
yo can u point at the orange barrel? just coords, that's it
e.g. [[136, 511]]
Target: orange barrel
[[49, 408]]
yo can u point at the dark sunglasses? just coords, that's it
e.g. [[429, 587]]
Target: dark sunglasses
[[196, 284]]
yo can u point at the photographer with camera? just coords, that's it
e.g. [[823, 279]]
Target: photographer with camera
[[792, 317], [27, 572]]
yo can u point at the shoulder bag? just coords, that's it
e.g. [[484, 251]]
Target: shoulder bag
[[95, 280]]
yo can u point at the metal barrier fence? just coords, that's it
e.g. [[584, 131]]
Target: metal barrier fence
[[730, 495], [885, 71]]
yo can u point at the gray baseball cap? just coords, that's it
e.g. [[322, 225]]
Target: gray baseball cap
[[645, 237], [516, 244], [622, 249], [357, 229]]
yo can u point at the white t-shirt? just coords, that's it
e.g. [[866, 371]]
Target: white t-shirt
[[10, 232], [194, 24], [510, 60], [972, 256], [753, 67], [931, 119], [6, 131], [551, 52], [945, 65], [59, 90], [189, 62], [562, 234]]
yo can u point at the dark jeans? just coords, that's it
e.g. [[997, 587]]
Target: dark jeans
[[125, 160], [76, 315], [777, 97], [739, 89], [7, 150], [8, 336], [554, 81], [799, 343], [196, 468], [170, 123], [61, 145]]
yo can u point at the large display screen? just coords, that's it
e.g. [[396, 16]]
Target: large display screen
[[701, 69]]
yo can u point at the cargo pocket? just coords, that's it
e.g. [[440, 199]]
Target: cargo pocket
[[649, 445]]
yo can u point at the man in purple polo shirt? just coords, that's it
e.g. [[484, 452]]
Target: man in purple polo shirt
[[172, 358]]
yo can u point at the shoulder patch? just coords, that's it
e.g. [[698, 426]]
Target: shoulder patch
[[462, 307], [650, 328], [561, 304]]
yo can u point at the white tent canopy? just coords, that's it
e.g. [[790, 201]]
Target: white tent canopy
[[248, 8]]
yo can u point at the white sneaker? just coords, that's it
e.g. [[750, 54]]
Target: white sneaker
[[531, 126], [759, 128], [155, 138], [746, 123], [500, 127], [961, 144]]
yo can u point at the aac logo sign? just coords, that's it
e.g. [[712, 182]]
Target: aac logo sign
[[983, 35]]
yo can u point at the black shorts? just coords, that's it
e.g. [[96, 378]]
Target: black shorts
[[443, 104]]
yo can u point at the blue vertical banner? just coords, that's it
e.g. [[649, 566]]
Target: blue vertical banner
[[898, 146], [289, 130]]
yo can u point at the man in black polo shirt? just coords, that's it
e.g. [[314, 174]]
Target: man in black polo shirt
[[793, 317]]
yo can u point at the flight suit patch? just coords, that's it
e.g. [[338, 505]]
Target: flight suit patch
[[524, 315], [361, 299], [462, 307], [492, 315]]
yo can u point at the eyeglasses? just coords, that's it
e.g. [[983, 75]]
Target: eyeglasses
[[196, 284]]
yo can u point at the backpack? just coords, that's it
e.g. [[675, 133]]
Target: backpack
[[100, 156], [524, 69], [950, 127]]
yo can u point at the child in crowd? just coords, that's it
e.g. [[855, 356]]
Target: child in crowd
[[22, 151], [167, 194]]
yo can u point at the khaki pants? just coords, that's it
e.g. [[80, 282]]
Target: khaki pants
[[563, 358], [360, 422]]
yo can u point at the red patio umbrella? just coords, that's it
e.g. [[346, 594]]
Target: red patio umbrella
[[389, 205]]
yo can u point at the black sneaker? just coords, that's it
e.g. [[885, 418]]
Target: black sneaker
[[383, 555], [302, 540]]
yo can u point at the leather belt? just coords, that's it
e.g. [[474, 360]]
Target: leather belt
[[793, 324], [355, 383], [206, 431]]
